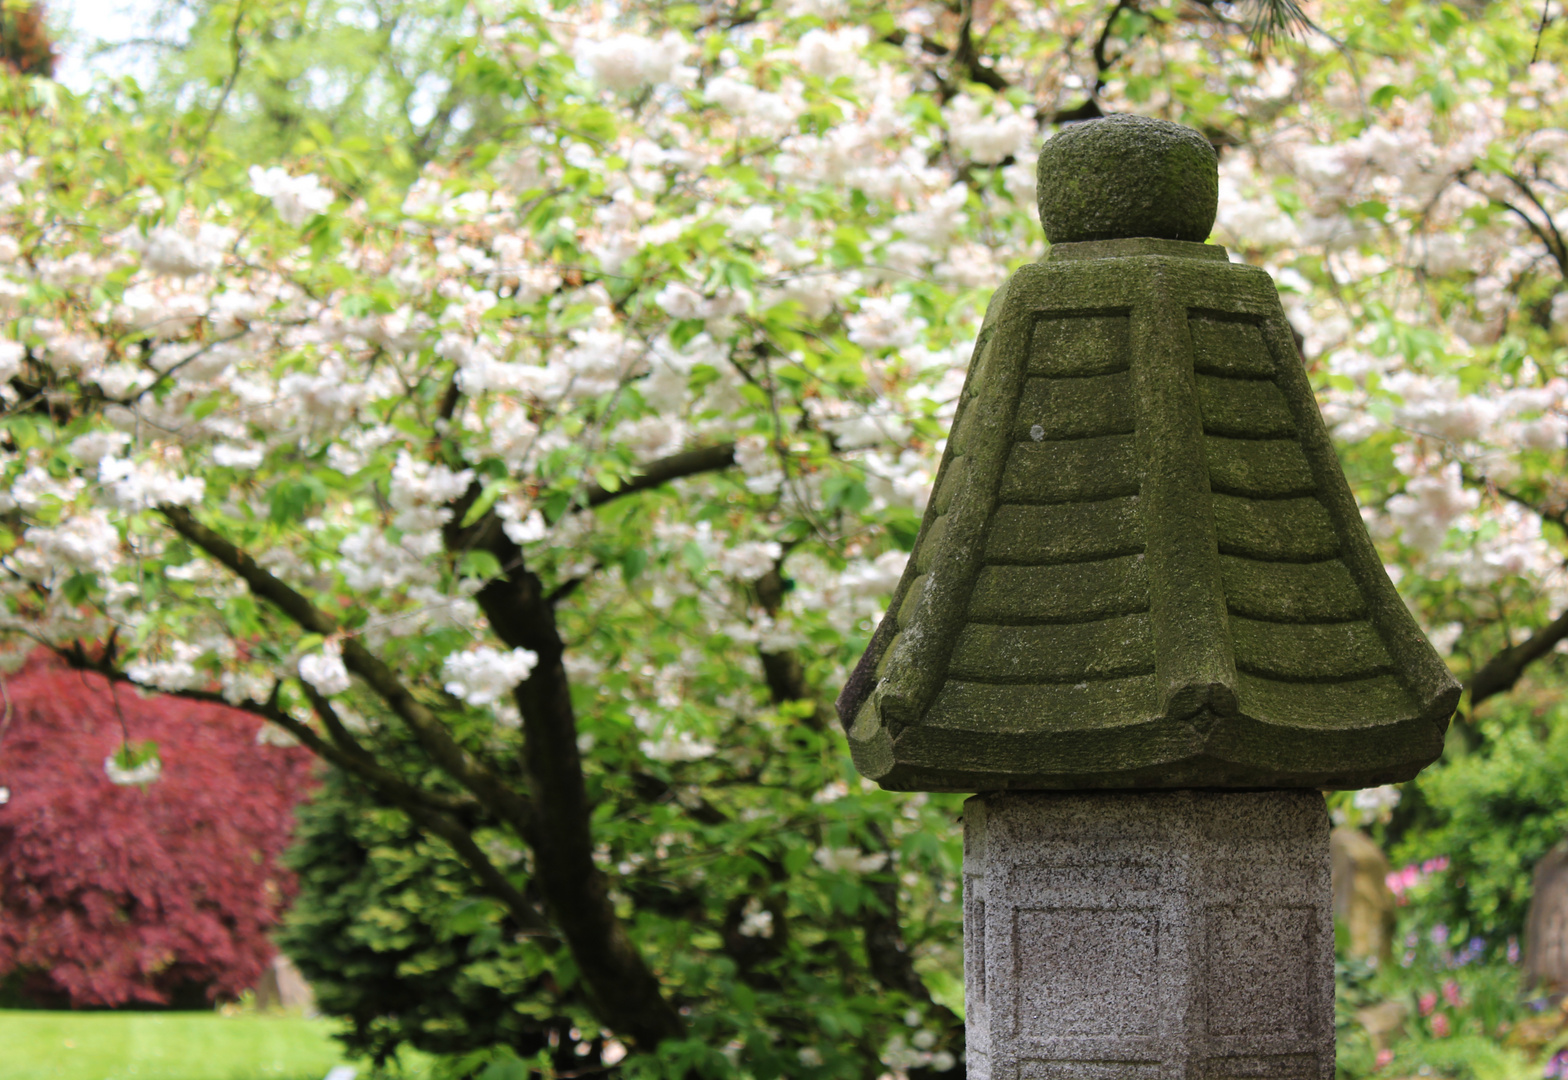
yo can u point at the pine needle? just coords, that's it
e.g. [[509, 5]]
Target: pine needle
[[1274, 19]]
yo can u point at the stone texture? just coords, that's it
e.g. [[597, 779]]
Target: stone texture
[[1127, 176], [1546, 925], [1363, 904], [282, 986], [1141, 565], [1166, 936]]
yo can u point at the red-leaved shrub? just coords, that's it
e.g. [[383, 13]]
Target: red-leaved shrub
[[111, 894]]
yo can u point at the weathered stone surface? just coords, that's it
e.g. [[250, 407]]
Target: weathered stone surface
[[1546, 925], [1127, 176], [1169, 936], [282, 986], [1141, 566], [1363, 904]]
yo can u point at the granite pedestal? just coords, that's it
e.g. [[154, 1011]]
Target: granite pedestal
[[1148, 936]]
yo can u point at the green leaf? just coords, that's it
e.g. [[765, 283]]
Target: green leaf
[[685, 330], [471, 916], [481, 506], [556, 504], [79, 587], [845, 493], [130, 755], [291, 500], [479, 564], [508, 1069], [903, 527]]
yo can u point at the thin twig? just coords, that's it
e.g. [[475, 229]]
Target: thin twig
[[238, 49]]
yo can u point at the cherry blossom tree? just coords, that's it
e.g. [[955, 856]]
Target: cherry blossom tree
[[543, 463]]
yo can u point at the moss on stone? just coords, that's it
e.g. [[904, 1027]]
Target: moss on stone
[[1191, 602], [1141, 565], [1127, 176]]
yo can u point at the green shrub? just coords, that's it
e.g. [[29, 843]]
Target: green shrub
[[1492, 813], [388, 930]]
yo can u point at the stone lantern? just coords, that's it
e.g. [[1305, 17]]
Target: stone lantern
[[1143, 617]]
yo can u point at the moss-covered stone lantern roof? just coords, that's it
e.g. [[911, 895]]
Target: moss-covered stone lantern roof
[[1141, 565]]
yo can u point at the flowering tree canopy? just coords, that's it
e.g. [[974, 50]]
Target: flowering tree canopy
[[530, 411]]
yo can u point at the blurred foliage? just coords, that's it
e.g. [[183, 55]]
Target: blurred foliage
[[25, 44], [158, 888], [393, 941], [1437, 1011], [1491, 812]]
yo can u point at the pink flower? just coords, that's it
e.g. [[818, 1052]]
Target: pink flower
[[1401, 880], [1428, 1003], [1451, 993], [1440, 1025], [1406, 878]]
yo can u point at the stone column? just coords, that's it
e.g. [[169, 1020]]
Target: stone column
[[1148, 936]]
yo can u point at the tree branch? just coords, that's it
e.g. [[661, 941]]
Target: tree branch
[[967, 57], [968, 64], [1499, 674], [261, 582], [1102, 62], [1554, 245], [361, 765], [656, 473], [1552, 241], [886, 953], [626, 994], [1558, 517], [348, 754], [888, 957], [437, 813], [529, 921], [555, 822], [458, 836], [1090, 109], [449, 400], [237, 49], [456, 833], [431, 733], [784, 671]]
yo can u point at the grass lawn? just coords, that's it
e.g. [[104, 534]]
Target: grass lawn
[[164, 1046]]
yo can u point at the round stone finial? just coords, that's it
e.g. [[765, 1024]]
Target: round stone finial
[[1125, 176]]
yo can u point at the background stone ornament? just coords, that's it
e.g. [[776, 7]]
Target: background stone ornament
[[1141, 568]]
